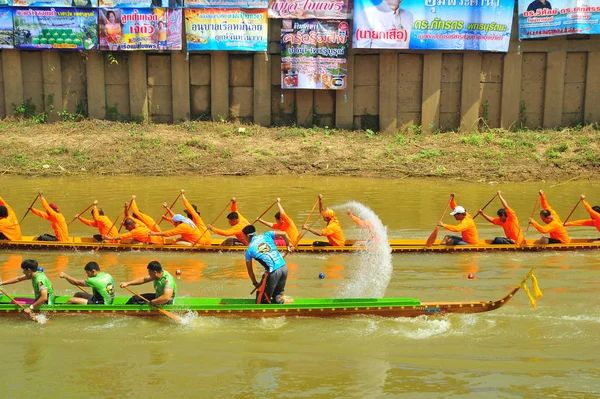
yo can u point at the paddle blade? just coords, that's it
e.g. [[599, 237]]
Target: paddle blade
[[432, 237]]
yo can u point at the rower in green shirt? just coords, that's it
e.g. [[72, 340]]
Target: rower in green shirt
[[164, 285], [42, 287], [102, 284]]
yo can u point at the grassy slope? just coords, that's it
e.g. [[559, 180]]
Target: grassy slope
[[103, 147]]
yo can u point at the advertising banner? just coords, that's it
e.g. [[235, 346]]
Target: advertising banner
[[226, 3], [433, 24], [53, 3], [226, 29], [141, 3], [314, 54], [540, 18], [140, 29], [309, 9], [6, 28], [56, 28]]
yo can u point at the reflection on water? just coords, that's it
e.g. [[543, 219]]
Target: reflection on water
[[513, 352]]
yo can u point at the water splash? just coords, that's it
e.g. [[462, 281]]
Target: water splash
[[371, 278]]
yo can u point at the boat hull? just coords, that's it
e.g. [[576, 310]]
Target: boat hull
[[305, 246], [246, 308]]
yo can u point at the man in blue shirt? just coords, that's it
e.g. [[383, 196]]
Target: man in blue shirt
[[262, 248]]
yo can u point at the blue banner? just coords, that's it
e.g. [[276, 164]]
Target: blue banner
[[483, 25], [539, 18], [6, 28]]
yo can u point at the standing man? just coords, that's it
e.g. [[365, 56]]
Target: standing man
[[554, 227], [333, 229], [9, 223], [102, 284], [191, 211], [237, 223], [466, 226], [263, 249], [104, 225], [283, 223], [42, 287], [59, 225], [594, 212], [507, 218], [164, 285]]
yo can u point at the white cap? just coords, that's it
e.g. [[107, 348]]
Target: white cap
[[458, 209]]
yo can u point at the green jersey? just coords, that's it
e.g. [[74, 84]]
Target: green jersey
[[40, 283], [103, 286], [166, 281]]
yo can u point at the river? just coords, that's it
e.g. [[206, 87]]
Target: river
[[551, 351]]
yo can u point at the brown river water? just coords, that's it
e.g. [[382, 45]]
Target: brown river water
[[552, 351]]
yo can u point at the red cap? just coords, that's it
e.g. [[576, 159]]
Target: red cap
[[53, 206]]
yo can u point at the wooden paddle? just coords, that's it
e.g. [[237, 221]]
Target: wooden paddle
[[435, 232], [263, 214], [167, 212], [485, 206], [126, 212], [570, 214], [109, 230], [79, 214], [165, 312], [30, 206], [13, 300], [213, 222], [304, 231], [530, 217]]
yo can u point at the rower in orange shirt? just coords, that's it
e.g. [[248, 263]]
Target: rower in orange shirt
[[137, 232], [554, 226], [507, 218], [9, 223], [144, 218], [363, 224], [104, 225], [594, 212], [185, 228], [333, 230], [466, 226], [59, 225], [237, 223], [284, 223], [191, 211]]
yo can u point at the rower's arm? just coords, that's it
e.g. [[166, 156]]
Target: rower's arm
[[72, 280], [164, 298], [41, 300], [268, 224], [14, 280], [251, 273], [585, 222], [502, 200], [137, 281], [486, 217], [41, 214], [285, 237], [315, 232], [321, 209]]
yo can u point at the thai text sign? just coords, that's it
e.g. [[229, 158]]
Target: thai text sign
[[226, 3], [56, 28], [226, 29], [540, 18], [141, 3], [140, 29], [314, 54], [55, 3], [309, 9], [433, 24]]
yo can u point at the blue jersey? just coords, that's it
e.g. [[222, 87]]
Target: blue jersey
[[263, 249]]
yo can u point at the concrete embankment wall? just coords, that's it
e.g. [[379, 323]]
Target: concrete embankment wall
[[552, 82]]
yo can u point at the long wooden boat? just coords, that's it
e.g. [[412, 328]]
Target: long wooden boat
[[397, 246], [246, 308]]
